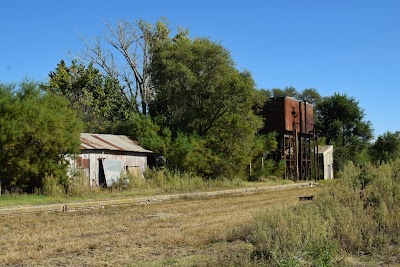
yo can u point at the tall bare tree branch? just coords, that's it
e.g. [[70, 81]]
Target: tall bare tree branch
[[124, 54]]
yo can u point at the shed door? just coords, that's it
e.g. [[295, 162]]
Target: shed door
[[113, 169]]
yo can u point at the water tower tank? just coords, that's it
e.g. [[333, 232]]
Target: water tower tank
[[284, 114]]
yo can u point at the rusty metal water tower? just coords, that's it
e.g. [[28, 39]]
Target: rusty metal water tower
[[293, 121]]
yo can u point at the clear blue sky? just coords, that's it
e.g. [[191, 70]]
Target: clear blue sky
[[344, 46]]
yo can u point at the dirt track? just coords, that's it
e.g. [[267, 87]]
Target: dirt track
[[145, 200]]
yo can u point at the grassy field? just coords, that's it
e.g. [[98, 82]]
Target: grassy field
[[353, 221], [176, 233]]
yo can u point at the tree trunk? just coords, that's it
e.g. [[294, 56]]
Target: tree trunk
[[144, 108]]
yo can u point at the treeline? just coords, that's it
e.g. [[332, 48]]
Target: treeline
[[181, 97]]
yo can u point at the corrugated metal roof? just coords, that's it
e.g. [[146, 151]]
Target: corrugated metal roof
[[111, 142]]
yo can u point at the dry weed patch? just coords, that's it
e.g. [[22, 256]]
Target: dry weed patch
[[179, 230]]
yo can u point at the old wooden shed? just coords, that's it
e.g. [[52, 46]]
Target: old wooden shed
[[106, 158]]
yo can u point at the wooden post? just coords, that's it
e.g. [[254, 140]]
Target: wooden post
[[262, 162], [250, 169]]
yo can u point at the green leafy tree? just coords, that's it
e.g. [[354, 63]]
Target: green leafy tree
[[261, 97], [37, 131], [341, 122], [199, 92], [233, 143], [288, 91], [197, 85], [309, 95], [190, 153], [386, 147], [148, 132], [99, 100], [263, 164]]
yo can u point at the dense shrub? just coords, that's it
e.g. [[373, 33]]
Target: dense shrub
[[358, 214], [37, 131]]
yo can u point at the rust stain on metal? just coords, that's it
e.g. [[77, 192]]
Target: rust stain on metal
[[85, 144], [108, 143], [285, 114], [82, 163]]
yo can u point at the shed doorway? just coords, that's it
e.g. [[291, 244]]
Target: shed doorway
[[102, 176], [110, 171]]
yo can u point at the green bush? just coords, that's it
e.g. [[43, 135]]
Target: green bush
[[265, 169], [37, 131]]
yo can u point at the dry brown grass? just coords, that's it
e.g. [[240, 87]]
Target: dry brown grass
[[178, 232]]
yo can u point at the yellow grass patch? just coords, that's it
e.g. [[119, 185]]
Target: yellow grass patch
[[178, 231]]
